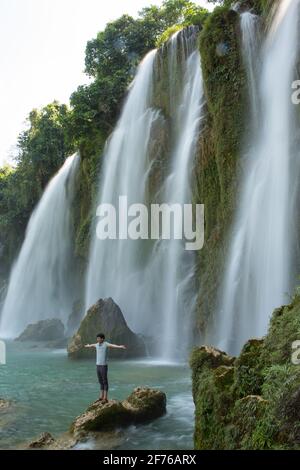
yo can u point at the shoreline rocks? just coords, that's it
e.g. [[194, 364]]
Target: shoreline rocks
[[51, 330], [5, 404], [142, 405], [102, 423], [46, 441]]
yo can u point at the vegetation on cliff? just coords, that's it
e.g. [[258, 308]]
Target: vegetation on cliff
[[55, 131], [42, 149], [218, 164], [252, 401], [219, 148], [248, 402]]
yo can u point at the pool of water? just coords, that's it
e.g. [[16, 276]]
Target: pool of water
[[49, 391]]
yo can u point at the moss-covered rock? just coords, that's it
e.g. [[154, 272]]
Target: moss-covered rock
[[91, 150], [252, 401], [218, 162], [248, 368], [259, 7], [215, 178], [143, 405], [212, 383]]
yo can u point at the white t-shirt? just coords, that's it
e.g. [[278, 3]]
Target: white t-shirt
[[101, 353]]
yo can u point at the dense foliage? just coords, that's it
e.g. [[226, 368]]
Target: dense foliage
[[42, 148], [56, 131], [112, 57], [252, 401]]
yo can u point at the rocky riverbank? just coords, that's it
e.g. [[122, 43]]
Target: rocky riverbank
[[102, 421]]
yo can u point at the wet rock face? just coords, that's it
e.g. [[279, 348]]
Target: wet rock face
[[105, 316], [143, 405], [44, 330]]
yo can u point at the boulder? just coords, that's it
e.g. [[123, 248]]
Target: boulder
[[143, 405], [44, 330], [4, 404], [105, 316], [210, 356], [44, 440], [47, 442], [8, 413]]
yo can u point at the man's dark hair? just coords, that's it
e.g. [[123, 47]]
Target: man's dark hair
[[100, 335]]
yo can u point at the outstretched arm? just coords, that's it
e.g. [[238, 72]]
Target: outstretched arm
[[90, 346], [116, 346]]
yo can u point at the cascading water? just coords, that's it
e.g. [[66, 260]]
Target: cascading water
[[140, 275], [114, 264], [250, 48], [39, 283], [173, 265], [259, 273]]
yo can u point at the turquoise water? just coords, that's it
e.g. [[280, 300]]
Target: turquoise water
[[49, 391]]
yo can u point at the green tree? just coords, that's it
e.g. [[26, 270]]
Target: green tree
[[42, 149], [111, 60]]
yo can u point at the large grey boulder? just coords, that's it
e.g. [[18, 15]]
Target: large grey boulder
[[105, 317], [44, 330], [142, 406]]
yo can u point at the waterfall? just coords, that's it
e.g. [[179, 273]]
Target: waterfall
[[250, 49], [171, 264], [114, 264], [147, 278], [259, 272], [39, 283]]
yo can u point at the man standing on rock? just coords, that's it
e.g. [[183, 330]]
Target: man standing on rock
[[101, 362]]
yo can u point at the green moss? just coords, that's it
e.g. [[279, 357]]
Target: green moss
[[226, 125], [277, 347], [212, 391], [261, 7], [167, 34], [249, 369], [215, 179], [253, 403], [247, 411], [86, 192]]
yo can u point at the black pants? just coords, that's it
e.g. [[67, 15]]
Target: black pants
[[102, 377]]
